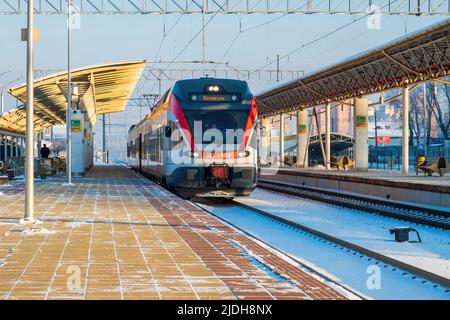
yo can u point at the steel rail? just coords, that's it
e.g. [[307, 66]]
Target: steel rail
[[406, 212]]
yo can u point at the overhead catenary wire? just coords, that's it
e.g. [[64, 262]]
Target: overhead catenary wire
[[309, 43], [194, 37], [241, 31]]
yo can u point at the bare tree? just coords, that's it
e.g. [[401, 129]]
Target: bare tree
[[416, 116], [440, 107]]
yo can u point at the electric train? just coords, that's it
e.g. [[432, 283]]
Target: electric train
[[200, 139]]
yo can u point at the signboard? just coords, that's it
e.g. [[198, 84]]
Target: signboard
[[215, 98], [361, 121], [302, 128], [383, 139], [75, 126]]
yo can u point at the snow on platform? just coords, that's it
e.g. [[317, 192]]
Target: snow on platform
[[116, 235]]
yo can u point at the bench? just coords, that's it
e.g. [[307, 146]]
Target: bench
[[440, 166], [344, 163], [44, 170]]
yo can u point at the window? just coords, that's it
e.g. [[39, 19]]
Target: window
[[221, 120]]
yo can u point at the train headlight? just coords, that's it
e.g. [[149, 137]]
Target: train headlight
[[234, 97], [243, 154], [192, 154], [194, 98], [213, 89]]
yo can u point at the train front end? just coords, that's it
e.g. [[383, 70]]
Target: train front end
[[213, 144]]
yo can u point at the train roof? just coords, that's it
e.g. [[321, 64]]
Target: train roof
[[209, 79]]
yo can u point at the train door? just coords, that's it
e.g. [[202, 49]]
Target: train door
[[140, 153], [166, 133], [160, 152]]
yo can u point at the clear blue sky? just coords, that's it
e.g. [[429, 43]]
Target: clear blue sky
[[109, 38]]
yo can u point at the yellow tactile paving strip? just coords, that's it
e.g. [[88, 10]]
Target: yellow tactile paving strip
[[108, 237]]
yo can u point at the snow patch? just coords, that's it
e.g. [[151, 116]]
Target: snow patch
[[74, 224], [30, 221], [258, 262], [37, 231]]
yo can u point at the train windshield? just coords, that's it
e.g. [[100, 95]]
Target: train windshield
[[217, 126]]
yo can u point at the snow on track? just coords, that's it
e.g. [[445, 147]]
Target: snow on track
[[364, 229], [345, 266]]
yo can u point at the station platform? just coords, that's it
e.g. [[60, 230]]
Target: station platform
[[117, 235], [393, 185]]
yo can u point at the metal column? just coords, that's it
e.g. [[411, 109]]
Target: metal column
[[2, 101], [265, 142], [302, 138], [16, 147], [405, 137], [327, 135], [29, 161], [5, 148], [104, 138], [281, 151], [69, 102]]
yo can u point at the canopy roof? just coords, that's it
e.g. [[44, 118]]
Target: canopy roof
[[103, 88], [420, 56]]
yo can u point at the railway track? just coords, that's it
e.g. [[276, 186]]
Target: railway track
[[281, 252], [349, 247], [406, 212]]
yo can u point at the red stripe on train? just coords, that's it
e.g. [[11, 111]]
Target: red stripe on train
[[249, 125], [179, 115]]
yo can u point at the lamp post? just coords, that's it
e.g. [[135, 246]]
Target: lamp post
[[29, 162], [69, 101]]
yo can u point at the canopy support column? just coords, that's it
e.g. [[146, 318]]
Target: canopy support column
[[281, 151], [5, 148], [361, 146], [16, 147], [265, 134], [327, 136], [104, 138], [302, 138], [405, 136]]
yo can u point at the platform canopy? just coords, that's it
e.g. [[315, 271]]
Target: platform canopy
[[103, 88], [420, 56]]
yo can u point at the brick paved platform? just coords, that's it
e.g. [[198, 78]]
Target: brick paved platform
[[116, 235]]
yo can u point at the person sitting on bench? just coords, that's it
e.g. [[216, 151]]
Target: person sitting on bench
[[441, 166], [345, 163]]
